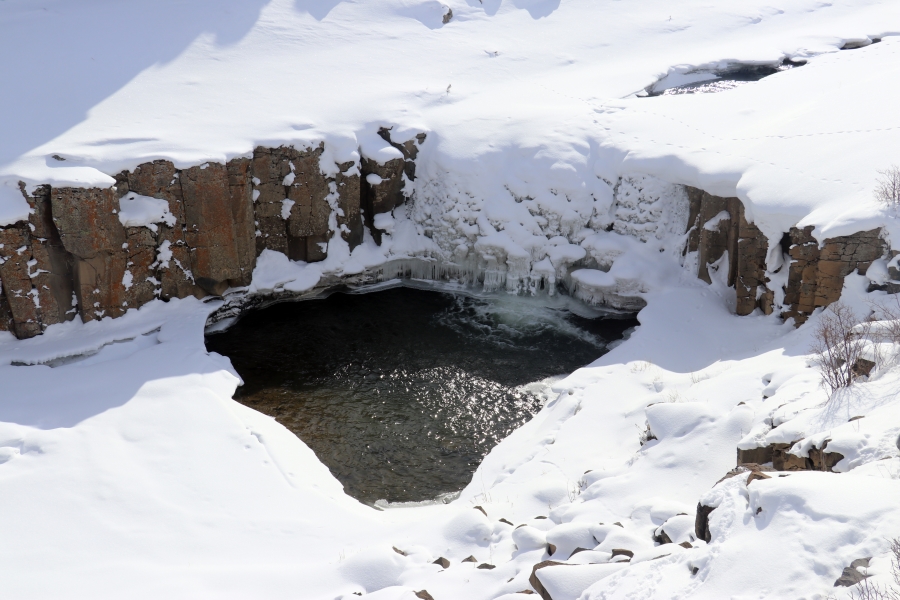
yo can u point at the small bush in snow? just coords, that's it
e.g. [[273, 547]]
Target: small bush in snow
[[839, 341], [887, 188]]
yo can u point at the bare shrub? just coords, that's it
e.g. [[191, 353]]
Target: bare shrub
[[838, 343], [887, 187]]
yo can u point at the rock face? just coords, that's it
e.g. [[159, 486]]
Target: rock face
[[718, 227], [382, 184], [75, 256], [817, 274], [782, 460]]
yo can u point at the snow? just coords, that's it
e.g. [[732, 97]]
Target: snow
[[128, 470], [143, 211]]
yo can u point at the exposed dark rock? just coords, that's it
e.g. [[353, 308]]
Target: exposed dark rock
[[240, 188], [718, 226], [701, 523], [852, 574], [755, 455], [536, 583], [15, 256], [381, 185], [89, 227], [160, 179], [551, 549], [469, 559], [816, 276], [622, 552], [424, 595], [443, 562], [209, 227], [486, 566], [52, 273]]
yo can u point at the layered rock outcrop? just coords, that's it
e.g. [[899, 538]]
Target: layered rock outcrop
[[75, 255], [816, 272]]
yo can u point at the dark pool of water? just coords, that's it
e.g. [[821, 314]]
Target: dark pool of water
[[402, 392]]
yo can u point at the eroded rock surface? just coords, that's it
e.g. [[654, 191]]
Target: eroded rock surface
[[75, 256]]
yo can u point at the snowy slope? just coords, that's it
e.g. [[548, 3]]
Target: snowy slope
[[133, 473]]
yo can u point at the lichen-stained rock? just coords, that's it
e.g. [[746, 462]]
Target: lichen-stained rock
[[270, 168], [241, 193], [16, 263], [90, 230], [160, 179], [52, 273], [209, 227], [347, 186]]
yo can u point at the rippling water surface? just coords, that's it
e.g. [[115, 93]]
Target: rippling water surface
[[402, 392]]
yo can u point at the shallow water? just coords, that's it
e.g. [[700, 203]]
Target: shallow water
[[402, 392]]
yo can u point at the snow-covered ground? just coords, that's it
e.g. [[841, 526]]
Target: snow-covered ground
[[131, 472]]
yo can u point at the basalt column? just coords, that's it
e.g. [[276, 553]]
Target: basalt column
[[90, 231], [382, 183], [718, 226]]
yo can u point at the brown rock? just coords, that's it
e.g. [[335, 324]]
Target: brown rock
[[622, 552], [241, 193], [755, 455], [443, 562], [53, 270], [470, 559], [140, 259], [783, 460], [160, 179], [270, 167], [701, 523], [209, 227], [90, 230], [380, 197], [308, 221], [424, 595], [348, 189], [6, 318], [21, 298], [536, 583]]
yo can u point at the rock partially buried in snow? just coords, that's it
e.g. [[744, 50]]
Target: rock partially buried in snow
[[852, 574]]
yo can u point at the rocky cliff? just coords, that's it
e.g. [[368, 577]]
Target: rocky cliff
[[795, 275], [79, 254]]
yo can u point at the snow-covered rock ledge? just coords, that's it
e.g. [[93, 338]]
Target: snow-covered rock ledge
[[290, 223]]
